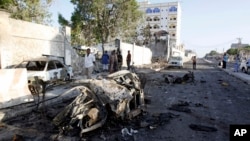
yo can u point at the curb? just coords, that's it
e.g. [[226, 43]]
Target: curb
[[242, 76]]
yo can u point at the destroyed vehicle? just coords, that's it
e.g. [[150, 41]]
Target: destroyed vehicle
[[47, 70], [119, 95]]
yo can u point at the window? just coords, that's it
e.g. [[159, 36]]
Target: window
[[148, 10], [173, 26], [173, 35], [51, 65], [156, 26], [156, 19], [59, 64], [173, 9], [156, 10], [148, 19]]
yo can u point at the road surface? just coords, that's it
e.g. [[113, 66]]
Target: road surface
[[199, 111]]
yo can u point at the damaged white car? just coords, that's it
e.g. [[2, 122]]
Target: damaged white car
[[119, 94]]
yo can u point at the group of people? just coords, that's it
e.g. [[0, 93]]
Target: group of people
[[113, 62], [236, 62], [110, 63]]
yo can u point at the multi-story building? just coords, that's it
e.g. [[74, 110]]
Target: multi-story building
[[162, 17]]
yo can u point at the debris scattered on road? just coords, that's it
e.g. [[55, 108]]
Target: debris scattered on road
[[125, 132], [224, 84], [197, 127], [187, 78], [181, 107]]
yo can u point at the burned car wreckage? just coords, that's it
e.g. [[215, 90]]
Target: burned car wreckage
[[120, 93]]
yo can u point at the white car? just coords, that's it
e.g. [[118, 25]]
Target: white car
[[245, 65], [175, 61], [47, 70]]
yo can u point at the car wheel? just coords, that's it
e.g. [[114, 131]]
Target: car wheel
[[244, 70], [67, 78], [248, 71]]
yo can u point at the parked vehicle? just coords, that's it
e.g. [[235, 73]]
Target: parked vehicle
[[175, 61], [248, 66], [245, 66], [47, 70]]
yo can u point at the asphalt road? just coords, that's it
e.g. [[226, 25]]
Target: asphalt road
[[199, 111], [212, 103]]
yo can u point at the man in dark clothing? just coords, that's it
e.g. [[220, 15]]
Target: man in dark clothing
[[120, 60], [105, 61], [128, 60], [194, 62]]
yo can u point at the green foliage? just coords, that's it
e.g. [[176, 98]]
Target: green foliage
[[232, 51], [5, 4], [99, 21], [28, 10], [213, 52]]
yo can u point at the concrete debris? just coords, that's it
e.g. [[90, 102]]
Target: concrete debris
[[202, 128], [125, 132], [120, 94], [188, 77]]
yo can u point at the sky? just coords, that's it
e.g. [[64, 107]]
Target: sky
[[205, 24]]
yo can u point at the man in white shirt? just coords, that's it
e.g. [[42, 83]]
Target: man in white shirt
[[89, 63]]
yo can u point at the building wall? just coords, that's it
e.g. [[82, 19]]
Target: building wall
[[169, 15], [140, 55]]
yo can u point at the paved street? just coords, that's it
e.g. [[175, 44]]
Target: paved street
[[174, 112], [216, 100]]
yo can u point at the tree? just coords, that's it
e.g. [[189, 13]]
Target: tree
[[232, 51], [28, 10], [146, 34], [213, 52], [99, 21]]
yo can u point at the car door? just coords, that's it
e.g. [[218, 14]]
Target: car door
[[62, 71], [52, 71]]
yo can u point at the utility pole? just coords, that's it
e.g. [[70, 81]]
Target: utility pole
[[239, 44]]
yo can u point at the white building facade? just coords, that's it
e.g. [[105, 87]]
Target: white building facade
[[163, 17]]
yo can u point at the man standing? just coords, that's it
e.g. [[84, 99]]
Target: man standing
[[237, 63], [224, 62], [128, 60], [89, 63], [194, 62], [105, 61], [120, 60]]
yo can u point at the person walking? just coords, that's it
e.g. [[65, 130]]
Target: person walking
[[120, 60], [224, 62], [89, 63], [105, 61], [128, 60], [237, 63], [194, 62]]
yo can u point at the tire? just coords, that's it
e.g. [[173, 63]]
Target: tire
[[68, 78], [248, 70], [244, 70]]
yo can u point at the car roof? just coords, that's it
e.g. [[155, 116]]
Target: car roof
[[40, 59]]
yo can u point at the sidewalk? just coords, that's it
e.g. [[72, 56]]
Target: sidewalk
[[242, 76]]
